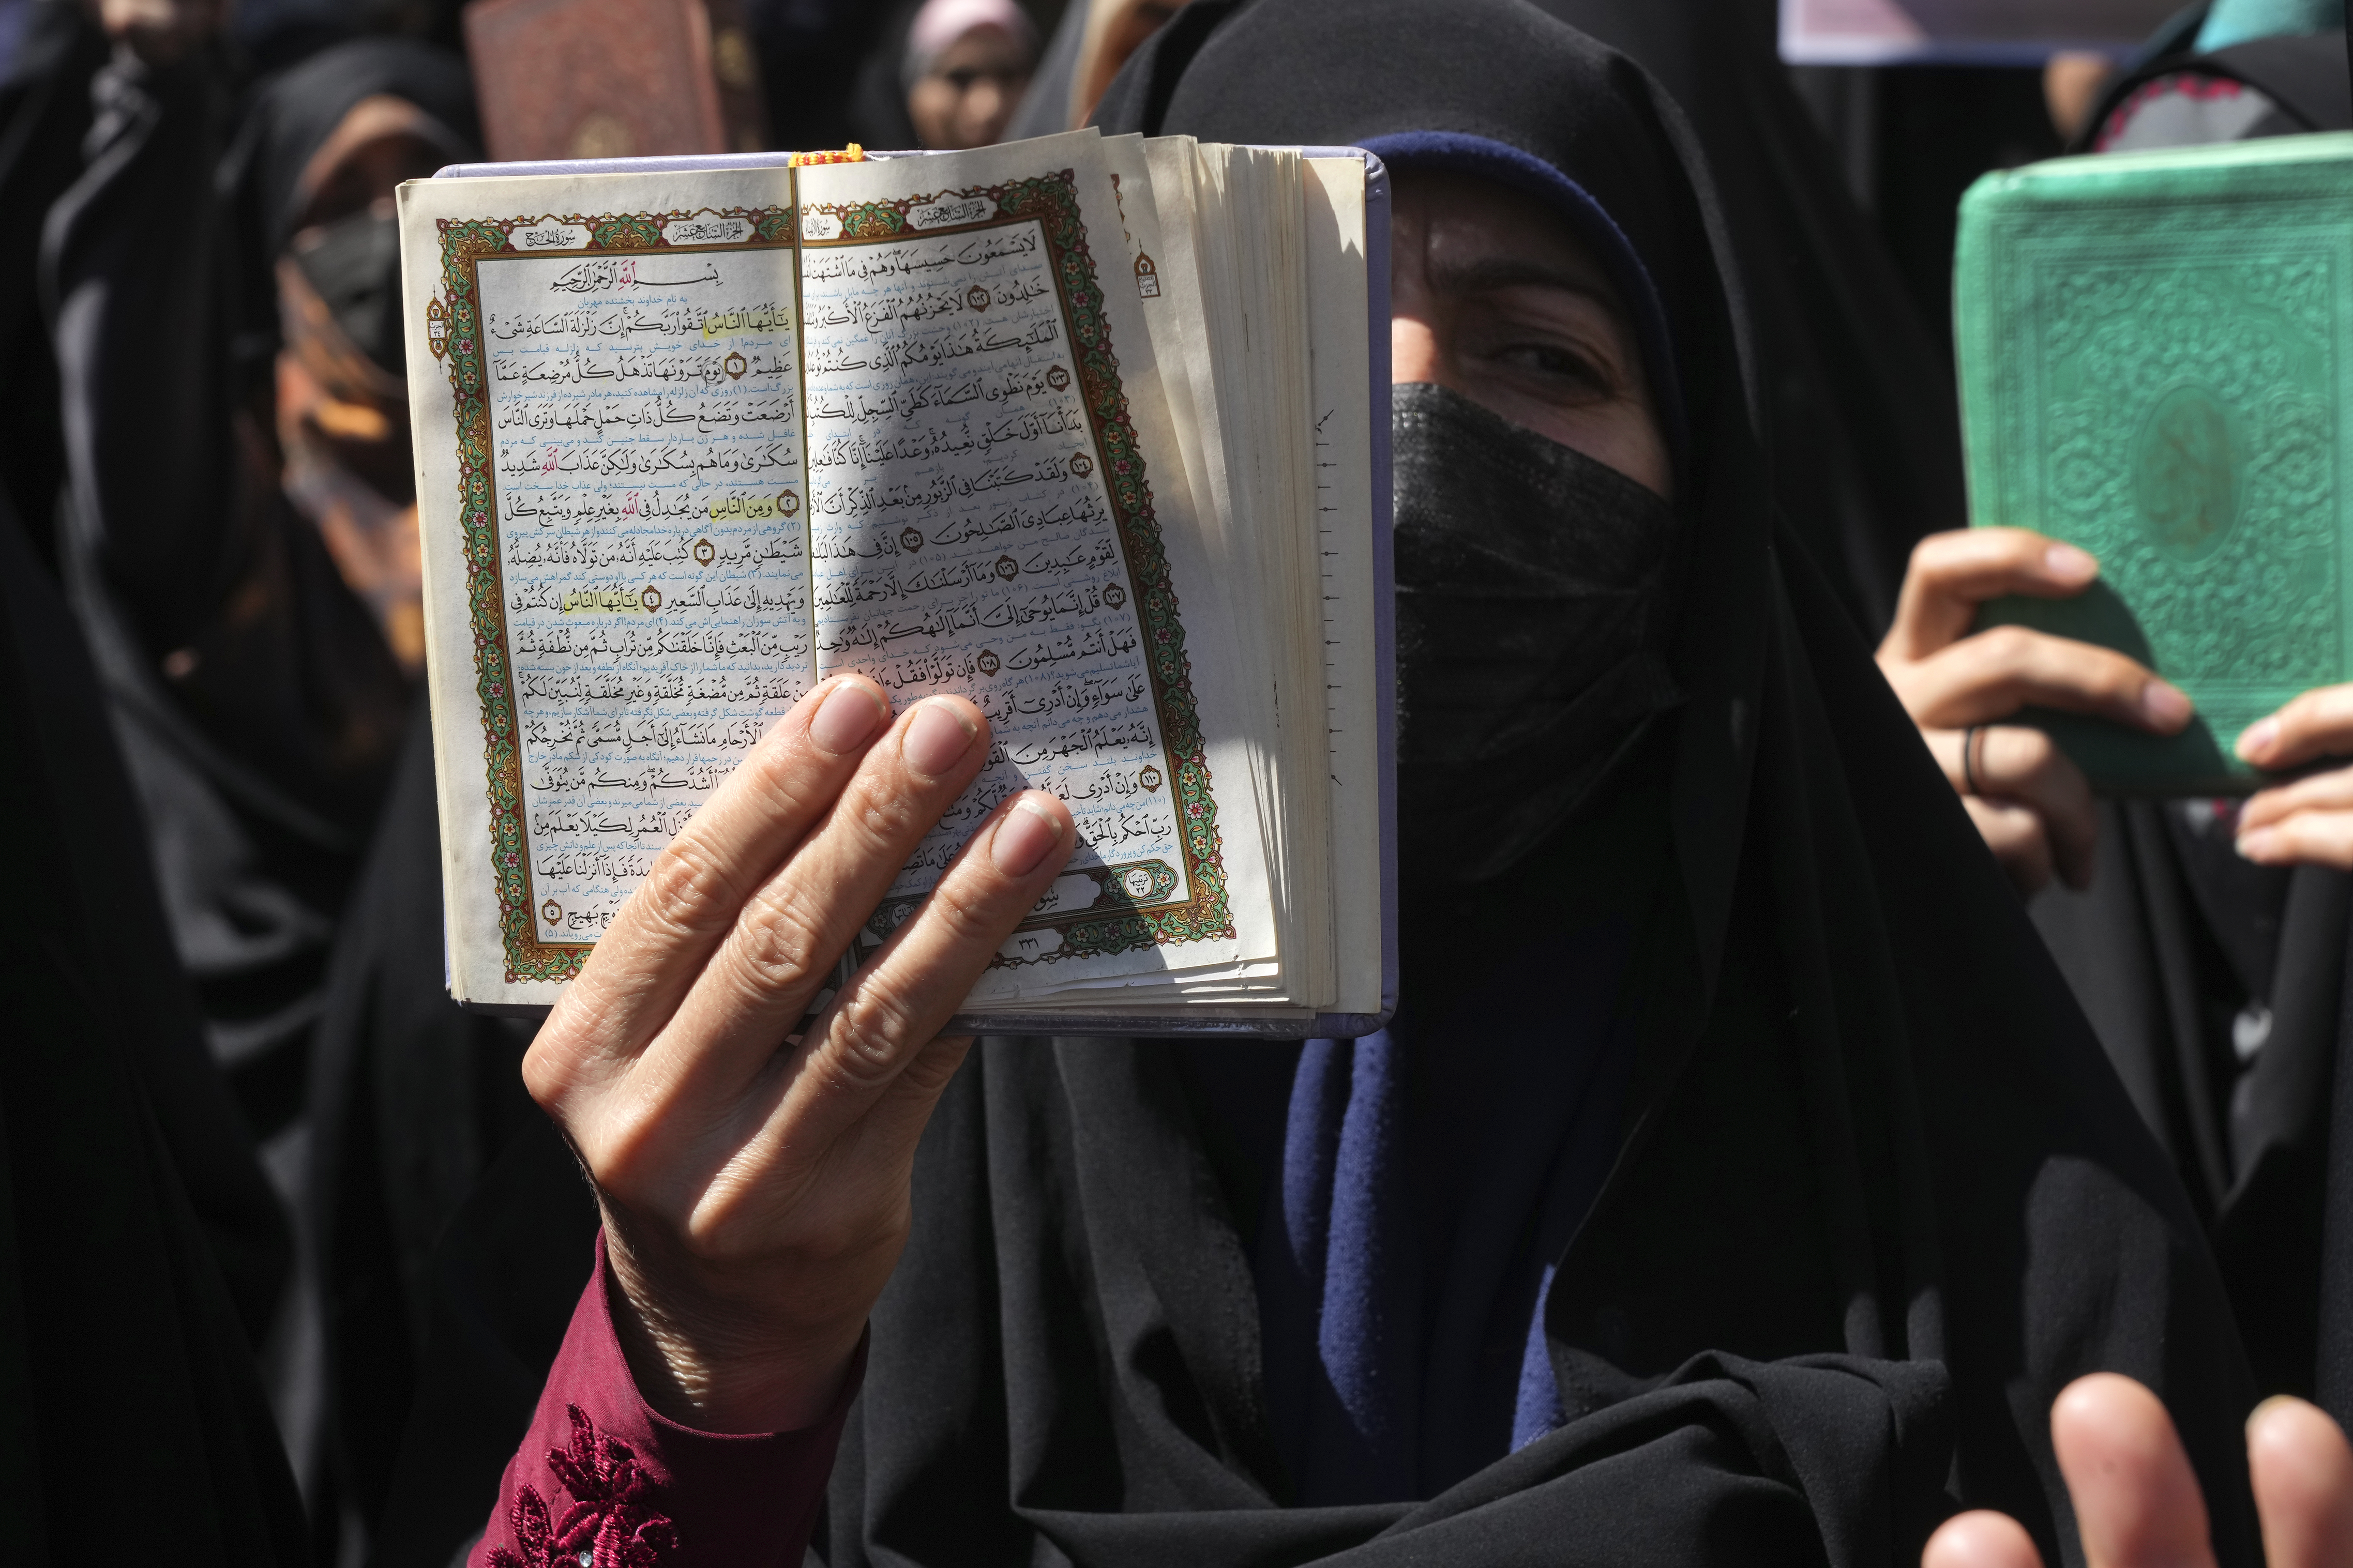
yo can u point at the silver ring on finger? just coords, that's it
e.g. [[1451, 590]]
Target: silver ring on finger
[[1969, 758]]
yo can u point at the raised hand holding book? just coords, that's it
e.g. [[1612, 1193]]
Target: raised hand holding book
[[2152, 356], [1084, 430]]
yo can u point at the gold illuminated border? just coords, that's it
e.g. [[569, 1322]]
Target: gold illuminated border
[[1122, 917]]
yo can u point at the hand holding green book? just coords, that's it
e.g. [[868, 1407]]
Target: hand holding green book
[[2153, 360]]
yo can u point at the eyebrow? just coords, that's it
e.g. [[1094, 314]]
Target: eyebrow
[[1519, 272]]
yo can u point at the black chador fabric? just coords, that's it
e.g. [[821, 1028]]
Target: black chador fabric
[[1876, 1198], [140, 1245], [257, 704], [412, 1099], [44, 115], [1854, 382], [2218, 986]]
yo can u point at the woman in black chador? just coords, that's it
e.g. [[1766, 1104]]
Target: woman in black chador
[[1738, 1179], [2206, 939]]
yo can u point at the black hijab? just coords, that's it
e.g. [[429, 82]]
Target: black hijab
[[290, 116], [1858, 384], [1876, 1197], [295, 111]]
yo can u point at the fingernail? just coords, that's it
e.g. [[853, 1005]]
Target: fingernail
[[2066, 561], [935, 738], [2258, 846], [2166, 706], [2275, 1402], [1023, 837], [847, 719], [2258, 740]]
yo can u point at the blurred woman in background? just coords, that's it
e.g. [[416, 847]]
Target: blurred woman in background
[[967, 64], [1092, 41], [948, 76], [236, 533]]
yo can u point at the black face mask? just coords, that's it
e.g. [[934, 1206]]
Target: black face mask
[[354, 264], [1533, 603]]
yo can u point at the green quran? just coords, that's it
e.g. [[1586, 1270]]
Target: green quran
[[2153, 352]]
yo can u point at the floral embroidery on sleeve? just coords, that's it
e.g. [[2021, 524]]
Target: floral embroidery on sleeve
[[613, 1521]]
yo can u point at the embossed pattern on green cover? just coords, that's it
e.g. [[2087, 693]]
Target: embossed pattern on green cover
[[2153, 350]]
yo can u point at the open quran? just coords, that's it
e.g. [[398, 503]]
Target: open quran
[[1089, 430]]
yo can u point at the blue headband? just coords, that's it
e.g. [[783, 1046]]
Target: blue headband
[[1530, 175]]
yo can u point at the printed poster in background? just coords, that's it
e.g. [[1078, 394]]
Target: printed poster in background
[[1961, 32]]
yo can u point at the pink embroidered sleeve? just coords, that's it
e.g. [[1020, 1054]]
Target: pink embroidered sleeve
[[604, 1481]]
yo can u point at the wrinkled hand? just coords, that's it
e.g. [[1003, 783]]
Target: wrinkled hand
[[754, 1174], [2310, 820], [2032, 805], [2136, 1499]]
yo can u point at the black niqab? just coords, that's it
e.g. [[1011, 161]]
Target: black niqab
[[1535, 589]]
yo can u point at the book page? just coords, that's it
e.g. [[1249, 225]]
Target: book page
[[998, 509], [1168, 292], [1248, 364], [614, 500]]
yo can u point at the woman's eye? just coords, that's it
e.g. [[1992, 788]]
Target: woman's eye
[[1554, 362]]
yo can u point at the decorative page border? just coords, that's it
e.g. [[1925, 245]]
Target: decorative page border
[[1131, 922], [453, 324], [454, 327]]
